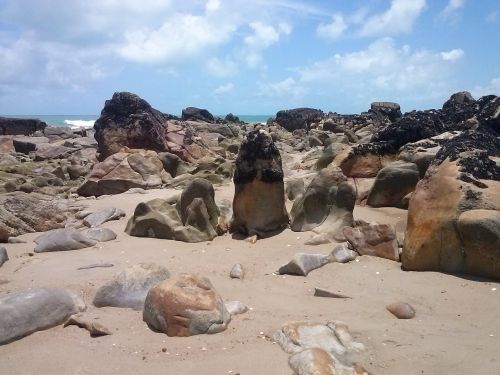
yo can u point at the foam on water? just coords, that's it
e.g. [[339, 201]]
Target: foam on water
[[75, 124]]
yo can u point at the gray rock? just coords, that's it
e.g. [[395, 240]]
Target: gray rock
[[27, 144], [62, 240], [36, 309], [4, 257], [237, 272], [100, 234], [294, 188], [103, 215], [236, 307], [303, 263], [129, 287], [342, 254], [48, 151]]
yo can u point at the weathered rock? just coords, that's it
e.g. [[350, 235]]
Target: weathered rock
[[294, 188], [236, 308], [62, 240], [373, 239], [103, 215], [342, 254], [27, 213], [36, 309], [49, 151], [298, 118], [77, 171], [401, 310], [196, 114], [4, 257], [259, 198], [173, 164], [123, 171], [26, 145], [386, 109], [392, 183], [16, 126], [185, 305], [303, 263], [325, 207], [237, 272], [100, 234], [458, 99], [129, 287], [95, 329], [199, 188], [329, 153]]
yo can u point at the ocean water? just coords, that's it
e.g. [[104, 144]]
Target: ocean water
[[87, 121]]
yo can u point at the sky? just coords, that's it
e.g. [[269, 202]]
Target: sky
[[245, 56]]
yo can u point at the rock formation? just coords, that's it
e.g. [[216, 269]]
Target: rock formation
[[16, 126], [298, 118]]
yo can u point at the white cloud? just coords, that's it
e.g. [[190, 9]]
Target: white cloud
[[212, 5], [399, 18], [224, 89], [262, 37], [286, 87], [452, 55], [222, 67], [452, 7], [334, 29]]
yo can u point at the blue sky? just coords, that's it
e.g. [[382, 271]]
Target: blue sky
[[245, 57]]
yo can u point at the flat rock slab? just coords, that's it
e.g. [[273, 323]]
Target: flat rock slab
[[62, 240], [318, 292], [35, 309], [129, 287], [4, 257], [100, 234], [303, 263], [103, 215]]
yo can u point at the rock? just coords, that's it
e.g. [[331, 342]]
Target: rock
[[49, 151], [57, 133], [294, 188], [77, 171], [27, 187], [386, 109], [237, 272], [62, 240], [100, 234], [373, 239], [15, 126], [318, 292], [173, 164], [123, 171], [298, 118], [35, 309], [196, 114], [463, 177], [325, 207], [236, 308], [232, 118], [329, 153], [302, 263], [185, 305], [199, 188], [129, 287], [259, 198], [401, 310], [27, 213], [4, 257], [317, 348], [392, 184], [102, 216], [458, 99], [26, 145], [95, 329], [16, 240], [6, 159], [342, 254]]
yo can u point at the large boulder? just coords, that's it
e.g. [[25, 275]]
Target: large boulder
[[386, 109], [194, 218], [464, 176], [129, 287], [298, 118], [392, 183], [27, 213], [325, 207], [259, 197], [185, 305], [62, 239], [17, 126], [196, 114], [36, 309], [123, 171]]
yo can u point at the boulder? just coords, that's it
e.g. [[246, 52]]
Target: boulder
[[298, 118], [390, 110], [49, 151], [62, 239], [464, 176], [123, 171], [4, 257], [196, 114], [17, 126], [294, 188], [185, 305], [77, 171], [129, 287], [458, 99], [392, 183], [35, 309], [373, 239], [103, 215], [259, 198], [100, 234], [303, 263], [57, 133], [27, 213], [325, 207], [193, 219], [25, 145]]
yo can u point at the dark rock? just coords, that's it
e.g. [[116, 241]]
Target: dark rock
[[15, 126], [299, 118], [196, 114], [232, 118], [458, 99], [4, 257], [26, 145], [386, 109]]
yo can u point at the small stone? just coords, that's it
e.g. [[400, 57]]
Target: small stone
[[318, 292], [164, 350], [401, 310], [236, 307], [252, 239], [237, 272]]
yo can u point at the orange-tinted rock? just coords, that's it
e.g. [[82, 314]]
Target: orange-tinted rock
[[401, 310], [374, 239]]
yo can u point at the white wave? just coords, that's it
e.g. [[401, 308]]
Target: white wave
[[76, 124]]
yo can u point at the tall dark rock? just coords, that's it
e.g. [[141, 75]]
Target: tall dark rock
[[298, 118]]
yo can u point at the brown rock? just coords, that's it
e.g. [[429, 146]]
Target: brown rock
[[401, 310], [374, 239]]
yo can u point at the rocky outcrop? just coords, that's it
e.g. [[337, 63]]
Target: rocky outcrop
[[194, 218], [197, 114], [36, 309], [17, 126], [185, 305], [298, 118], [123, 171], [259, 198]]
